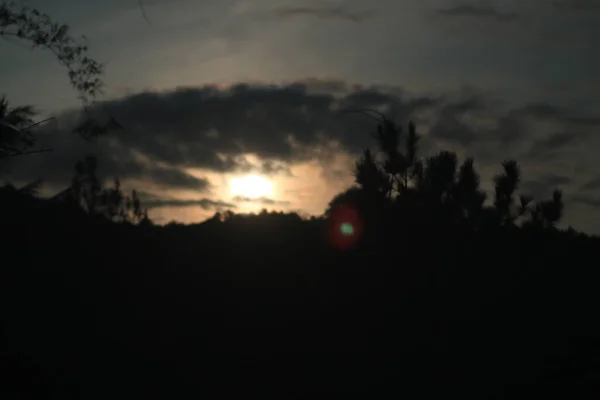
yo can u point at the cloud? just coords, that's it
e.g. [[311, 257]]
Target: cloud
[[152, 200], [114, 161], [571, 127], [173, 177], [543, 186], [576, 5], [544, 26], [549, 147], [451, 125], [472, 11], [593, 202], [451, 128], [58, 167], [341, 13], [215, 129], [261, 200], [558, 114], [540, 110], [593, 184], [205, 204], [183, 139], [270, 168]]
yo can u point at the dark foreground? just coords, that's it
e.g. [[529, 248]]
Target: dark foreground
[[92, 310]]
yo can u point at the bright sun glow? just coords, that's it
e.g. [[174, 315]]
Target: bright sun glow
[[251, 186]]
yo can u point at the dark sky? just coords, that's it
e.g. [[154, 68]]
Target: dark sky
[[211, 90]]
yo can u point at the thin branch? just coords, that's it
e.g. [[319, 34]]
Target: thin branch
[[366, 112], [141, 3], [35, 124], [23, 153]]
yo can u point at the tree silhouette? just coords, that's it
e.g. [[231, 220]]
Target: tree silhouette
[[552, 210], [88, 192], [85, 185], [439, 178], [468, 194], [121, 208], [437, 189], [505, 186], [371, 177], [547, 213], [352, 196]]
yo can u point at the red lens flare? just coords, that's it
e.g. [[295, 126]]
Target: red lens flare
[[344, 227]]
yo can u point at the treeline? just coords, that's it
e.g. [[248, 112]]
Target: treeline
[[396, 185]]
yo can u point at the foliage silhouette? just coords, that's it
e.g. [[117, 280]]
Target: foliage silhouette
[[86, 191], [40, 31], [439, 189], [16, 137]]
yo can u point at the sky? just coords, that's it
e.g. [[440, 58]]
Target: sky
[[211, 91]]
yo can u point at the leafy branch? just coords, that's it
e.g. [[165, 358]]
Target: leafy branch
[[16, 137], [40, 31]]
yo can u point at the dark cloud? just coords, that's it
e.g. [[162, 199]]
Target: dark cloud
[[270, 168], [261, 200], [114, 161], [593, 184], [549, 147], [576, 5], [171, 176], [211, 128], [473, 122], [573, 128], [509, 130], [469, 101], [540, 188], [206, 204], [540, 110], [451, 128], [330, 86], [153, 200], [593, 202], [477, 12], [545, 111], [341, 13], [556, 180]]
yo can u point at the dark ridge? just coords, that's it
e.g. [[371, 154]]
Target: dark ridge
[[434, 292]]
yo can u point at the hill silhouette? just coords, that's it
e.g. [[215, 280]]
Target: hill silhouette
[[409, 284]]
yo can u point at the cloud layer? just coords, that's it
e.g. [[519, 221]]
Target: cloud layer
[[478, 12], [341, 13], [181, 141]]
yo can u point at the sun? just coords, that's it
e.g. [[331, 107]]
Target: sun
[[251, 186]]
